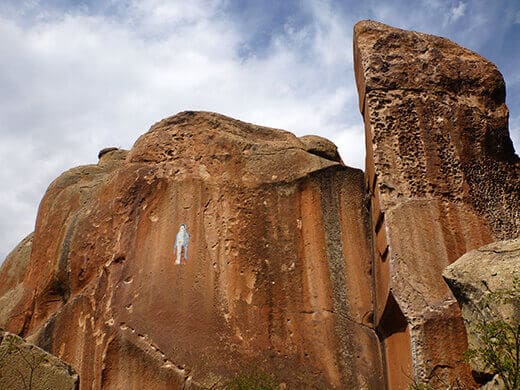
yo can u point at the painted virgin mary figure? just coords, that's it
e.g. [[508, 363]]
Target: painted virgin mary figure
[[181, 242]]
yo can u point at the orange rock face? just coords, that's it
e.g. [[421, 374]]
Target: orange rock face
[[211, 247], [443, 179]]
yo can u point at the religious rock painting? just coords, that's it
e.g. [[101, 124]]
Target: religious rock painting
[[181, 242]]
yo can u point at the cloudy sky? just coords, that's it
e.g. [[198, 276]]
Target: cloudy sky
[[77, 76]]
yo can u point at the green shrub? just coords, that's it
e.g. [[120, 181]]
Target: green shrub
[[419, 386], [252, 380], [499, 340]]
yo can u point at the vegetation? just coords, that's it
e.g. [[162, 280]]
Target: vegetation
[[455, 385], [419, 386], [499, 340], [252, 380]]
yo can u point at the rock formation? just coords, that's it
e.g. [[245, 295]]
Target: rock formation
[[275, 276], [24, 366], [475, 277], [443, 179], [13, 273], [215, 245]]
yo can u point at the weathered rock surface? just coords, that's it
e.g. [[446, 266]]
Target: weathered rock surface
[[475, 276], [443, 179], [24, 366], [277, 276], [13, 273]]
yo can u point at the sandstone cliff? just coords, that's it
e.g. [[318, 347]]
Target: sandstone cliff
[[275, 276]]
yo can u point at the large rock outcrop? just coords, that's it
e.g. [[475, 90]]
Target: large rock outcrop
[[275, 275], [24, 366], [443, 179]]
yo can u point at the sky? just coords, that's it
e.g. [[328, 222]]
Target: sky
[[78, 76]]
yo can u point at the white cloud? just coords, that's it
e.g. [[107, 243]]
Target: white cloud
[[458, 11], [354, 135], [333, 38]]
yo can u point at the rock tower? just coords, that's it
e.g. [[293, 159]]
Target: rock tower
[[443, 179]]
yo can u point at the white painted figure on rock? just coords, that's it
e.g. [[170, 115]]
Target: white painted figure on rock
[[181, 241]]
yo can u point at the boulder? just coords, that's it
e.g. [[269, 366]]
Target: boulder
[[24, 366], [479, 280], [442, 179]]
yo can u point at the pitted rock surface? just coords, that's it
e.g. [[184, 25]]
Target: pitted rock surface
[[229, 151], [443, 179], [388, 59]]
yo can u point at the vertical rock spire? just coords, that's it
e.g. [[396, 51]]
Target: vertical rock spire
[[443, 179]]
